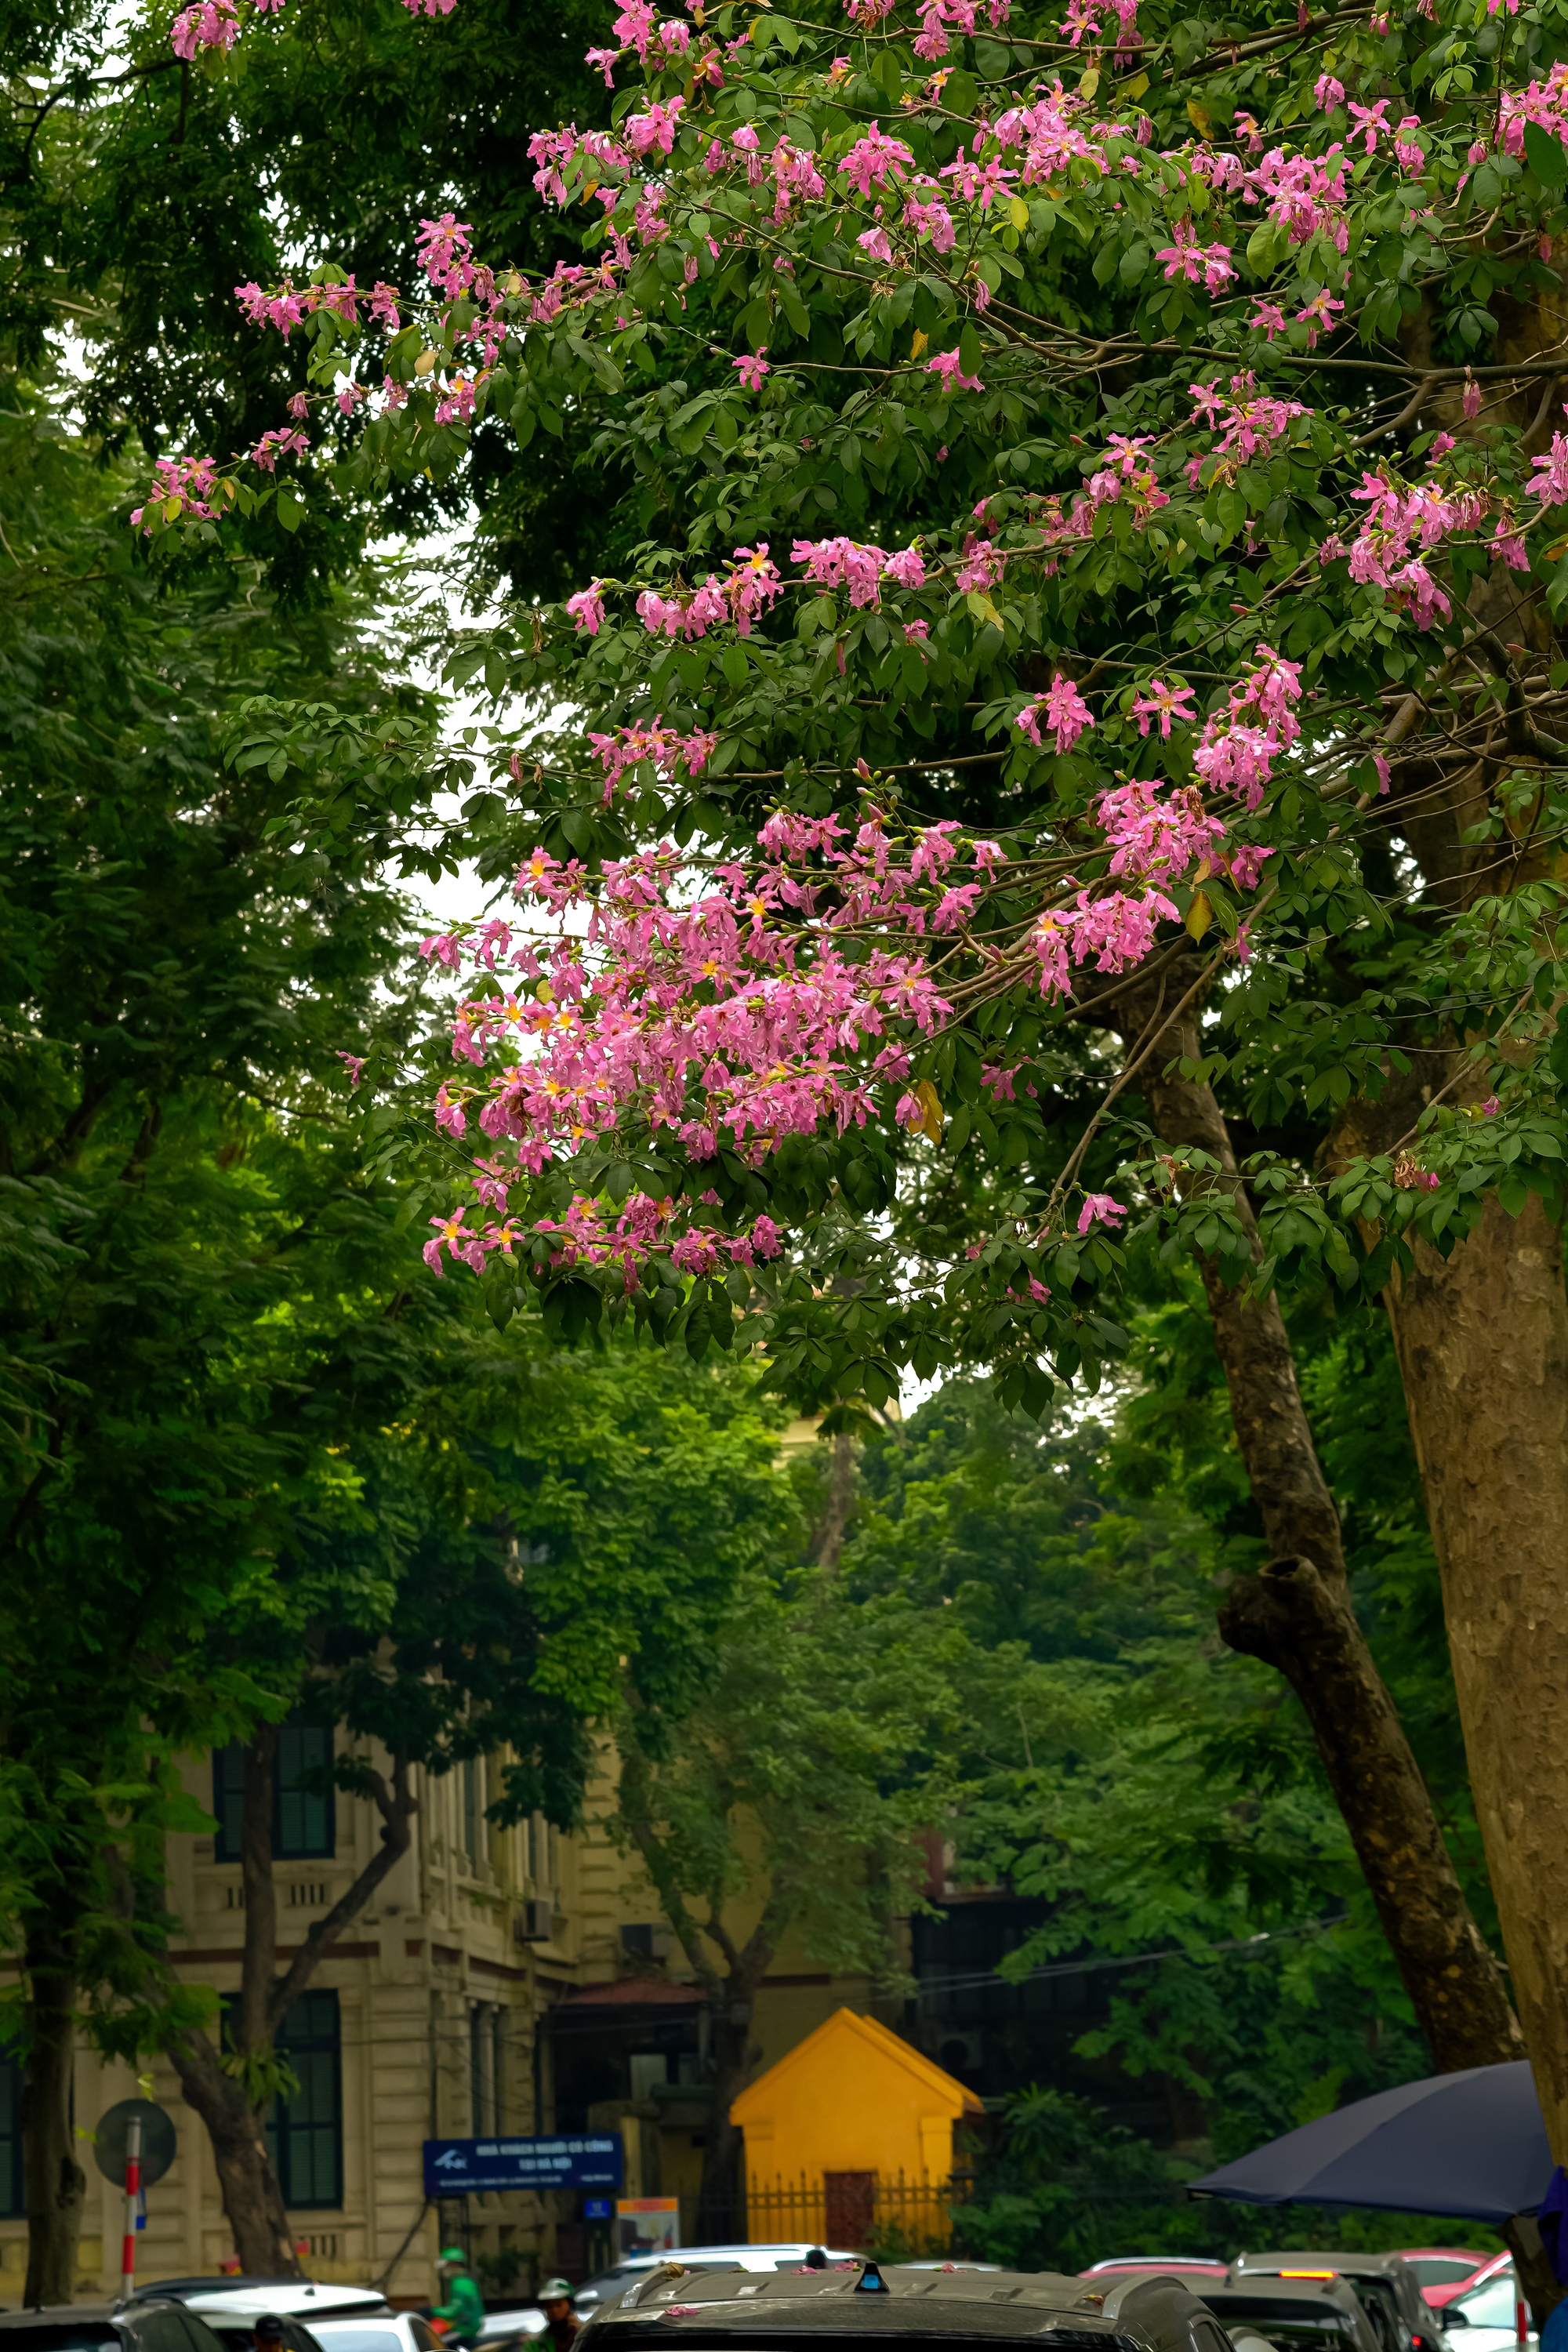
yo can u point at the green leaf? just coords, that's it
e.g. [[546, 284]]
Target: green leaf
[[1546, 155]]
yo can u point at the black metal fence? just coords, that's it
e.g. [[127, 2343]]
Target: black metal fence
[[897, 2216]]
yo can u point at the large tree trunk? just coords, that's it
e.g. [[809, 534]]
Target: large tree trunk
[[1482, 1339], [1297, 1614], [721, 2197], [248, 2178], [54, 2183]]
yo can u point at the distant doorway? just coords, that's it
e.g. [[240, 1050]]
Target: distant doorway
[[850, 2198]]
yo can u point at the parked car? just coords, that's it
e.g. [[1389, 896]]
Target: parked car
[[288, 2299], [399, 2331], [1491, 2317], [1167, 2265], [1321, 2314], [1441, 2272], [135, 2325], [282, 2295], [902, 2307], [235, 2331], [620, 2275], [524, 2319], [1401, 2315]]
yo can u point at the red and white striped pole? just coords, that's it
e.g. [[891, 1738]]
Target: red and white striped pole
[[132, 2197]]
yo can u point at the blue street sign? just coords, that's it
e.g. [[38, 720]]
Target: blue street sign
[[572, 2160], [598, 2209]]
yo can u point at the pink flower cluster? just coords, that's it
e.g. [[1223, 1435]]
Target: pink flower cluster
[[939, 17], [845, 564], [1156, 835], [1380, 555], [751, 588], [1248, 421], [189, 482], [1189, 260], [1062, 709], [1117, 929], [628, 747], [210, 25], [706, 1018], [275, 445], [1544, 103], [1236, 748], [287, 307]]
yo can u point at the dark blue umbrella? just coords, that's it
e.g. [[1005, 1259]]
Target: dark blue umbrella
[[1470, 2144]]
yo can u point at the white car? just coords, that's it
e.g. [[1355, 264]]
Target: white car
[[610, 2283], [527, 2320], [399, 2331], [1491, 2317], [287, 2299]]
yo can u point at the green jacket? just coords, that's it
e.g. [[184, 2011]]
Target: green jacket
[[466, 2310]]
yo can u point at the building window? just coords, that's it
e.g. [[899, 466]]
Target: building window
[[498, 2069], [12, 2196], [534, 1848], [485, 2031], [302, 1816], [305, 2133]]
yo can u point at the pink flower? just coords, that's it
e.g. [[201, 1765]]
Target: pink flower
[[1471, 402], [875, 161], [1099, 1208], [1328, 93], [354, 1064], [1489, 1107], [1269, 317], [1165, 703], [273, 446], [1063, 710], [949, 365], [751, 367], [587, 608], [211, 24], [1319, 312]]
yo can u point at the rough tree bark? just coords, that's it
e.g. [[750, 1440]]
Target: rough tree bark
[[54, 2183], [1296, 1613], [231, 2095]]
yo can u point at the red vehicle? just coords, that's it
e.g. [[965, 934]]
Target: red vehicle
[[1444, 2272]]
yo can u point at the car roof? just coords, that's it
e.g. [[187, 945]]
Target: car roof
[[796, 2247], [949, 2302], [295, 2299], [64, 2315]]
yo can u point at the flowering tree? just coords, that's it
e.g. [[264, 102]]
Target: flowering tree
[[1076, 669]]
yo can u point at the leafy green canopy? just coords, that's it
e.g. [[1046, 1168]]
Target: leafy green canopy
[[1171, 390], [252, 1455], [1161, 1796]]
